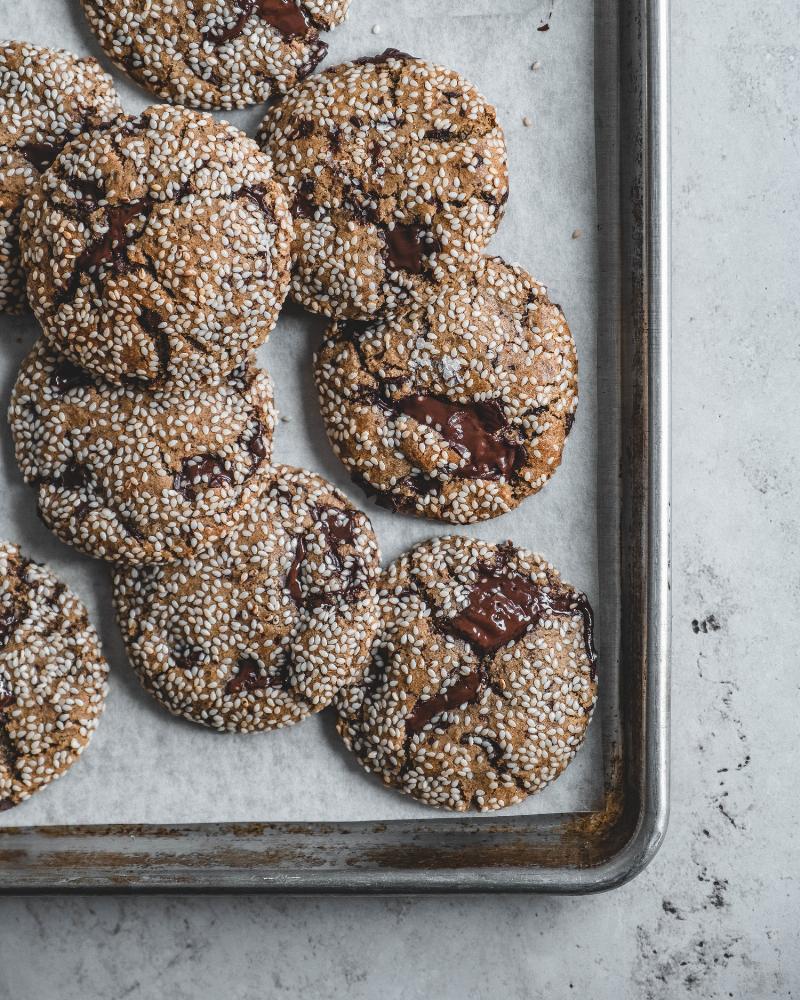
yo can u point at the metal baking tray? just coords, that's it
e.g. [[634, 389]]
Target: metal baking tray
[[564, 852]]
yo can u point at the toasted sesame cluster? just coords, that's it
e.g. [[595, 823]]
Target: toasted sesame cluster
[[264, 628], [135, 474], [482, 678], [158, 249], [458, 407], [397, 174], [52, 677], [47, 97], [215, 53]]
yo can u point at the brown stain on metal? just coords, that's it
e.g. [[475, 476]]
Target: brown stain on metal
[[448, 844]]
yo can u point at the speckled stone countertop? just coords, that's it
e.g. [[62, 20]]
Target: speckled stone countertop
[[715, 915]]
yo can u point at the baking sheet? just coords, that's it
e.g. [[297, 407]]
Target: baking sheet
[[143, 765]]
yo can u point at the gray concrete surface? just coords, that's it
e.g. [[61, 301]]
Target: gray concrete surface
[[716, 915]]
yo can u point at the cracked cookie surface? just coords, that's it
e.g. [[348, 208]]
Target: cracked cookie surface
[[215, 53], [47, 98], [136, 475], [53, 677], [397, 174], [482, 677], [262, 629], [157, 249], [458, 407]]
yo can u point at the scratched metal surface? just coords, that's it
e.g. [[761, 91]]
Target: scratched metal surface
[[143, 765]]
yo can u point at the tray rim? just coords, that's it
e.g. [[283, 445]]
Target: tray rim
[[627, 832]]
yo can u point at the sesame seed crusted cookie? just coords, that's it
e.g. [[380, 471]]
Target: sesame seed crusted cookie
[[263, 629], [135, 474], [47, 97], [52, 677], [458, 407], [158, 250], [482, 677], [397, 173], [215, 53]]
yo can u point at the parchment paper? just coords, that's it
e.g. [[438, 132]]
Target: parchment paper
[[144, 765]]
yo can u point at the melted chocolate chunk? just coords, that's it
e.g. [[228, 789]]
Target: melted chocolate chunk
[[568, 604], [464, 691], [54, 599], [569, 420], [303, 205], [257, 444], [444, 135], [315, 52], [6, 694], [40, 154], [478, 428], [376, 672], [353, 330], [388, 501], [239, 373], [404, 247], [502, 607], [419, 484], [9, 620], [197, 470], [151, 322], [130, 527], [74, 477], [90, 189], [66, 376], [110, 248], [338, 526], [382, 57], [335, 138], [284, 15], [490, 746], [188, 657], [248, 677], [259, 196], [293, 576]]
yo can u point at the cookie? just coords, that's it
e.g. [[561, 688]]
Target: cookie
[[264, 628], [458, 407], [47, 97], [397, 173], [482, 676], [215, 53], [52, 677], [139, 475], [158, 250]]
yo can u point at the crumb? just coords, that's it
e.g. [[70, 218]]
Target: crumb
[[543, 27], [577, 233], [285, 419], [376, 29], [536, 66], [527, 122], [706, 625]]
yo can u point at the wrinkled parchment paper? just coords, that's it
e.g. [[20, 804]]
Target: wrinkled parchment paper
[[143, 765]]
